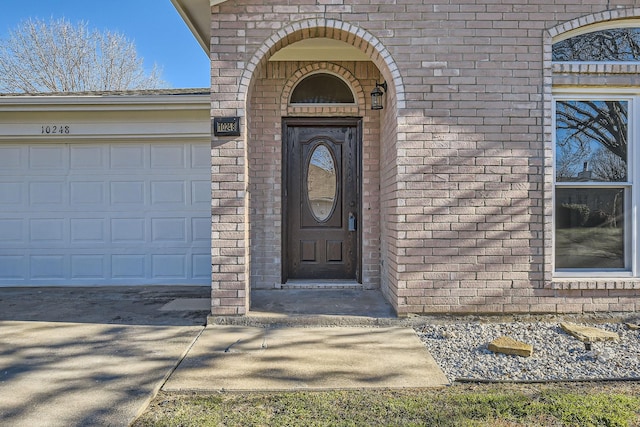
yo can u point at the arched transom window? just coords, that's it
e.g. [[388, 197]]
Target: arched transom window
[[604, 45], [322, 88]]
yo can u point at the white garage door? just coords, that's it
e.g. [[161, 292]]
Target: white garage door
[[109, 213]]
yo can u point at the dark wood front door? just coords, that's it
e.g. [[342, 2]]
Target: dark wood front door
[[321, 199]]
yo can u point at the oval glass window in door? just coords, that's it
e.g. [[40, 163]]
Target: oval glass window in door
[[321, 183]]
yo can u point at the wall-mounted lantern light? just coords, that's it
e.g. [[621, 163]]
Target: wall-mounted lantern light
[[376, 96]]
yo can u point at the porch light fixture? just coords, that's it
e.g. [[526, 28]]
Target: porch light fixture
[[376, 96]]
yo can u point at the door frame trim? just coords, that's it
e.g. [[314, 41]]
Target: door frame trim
[[287, 122]]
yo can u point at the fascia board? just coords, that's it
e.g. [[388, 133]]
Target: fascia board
[[109, 103], [197, 16]]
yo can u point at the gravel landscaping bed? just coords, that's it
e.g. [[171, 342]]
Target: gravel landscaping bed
[[461, 350]]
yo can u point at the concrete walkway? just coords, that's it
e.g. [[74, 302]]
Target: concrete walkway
[[96, 356], [245, 358]]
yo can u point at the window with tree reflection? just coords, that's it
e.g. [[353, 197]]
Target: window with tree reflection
[[608, 45], [591, 140], [592, 184]]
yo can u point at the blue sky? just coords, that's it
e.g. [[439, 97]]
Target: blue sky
[[156, 28]]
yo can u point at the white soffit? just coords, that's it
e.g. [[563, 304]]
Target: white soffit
[[197, 15], [319, 49]]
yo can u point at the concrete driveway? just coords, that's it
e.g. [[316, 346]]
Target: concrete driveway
[[96, 356], [89, 356]]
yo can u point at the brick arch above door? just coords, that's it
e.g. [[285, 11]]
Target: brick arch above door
[[329, 28]]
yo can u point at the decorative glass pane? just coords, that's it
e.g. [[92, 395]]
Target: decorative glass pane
[[616, 44], [591, 141], [321, 183], [590, 228], [322, 89]]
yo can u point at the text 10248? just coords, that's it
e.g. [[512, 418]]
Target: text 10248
[[56, 129]]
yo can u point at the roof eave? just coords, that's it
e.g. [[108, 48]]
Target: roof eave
[[197, 15], [103, 102]]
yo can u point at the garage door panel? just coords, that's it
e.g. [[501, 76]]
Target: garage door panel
[[87, 230], [201, 157], [169, 266], [201, 193], [128, 230], [47, 267], [47, 193], [168, 156], [13, 267], [48, 157], [12, 159], [47, 230], [88, 157], [168, 192], [129, 266], [201, 266], [101, 219], [201, 230], [11, 230], [127, 157], [87, 193], [88, 266], [11, 193], [127, 192], [168, 230]]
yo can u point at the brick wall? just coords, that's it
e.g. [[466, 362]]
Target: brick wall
[[464, 168]]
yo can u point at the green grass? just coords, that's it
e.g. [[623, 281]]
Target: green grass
[[452, 406]]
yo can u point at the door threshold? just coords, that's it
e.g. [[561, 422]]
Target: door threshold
[[321, 284]]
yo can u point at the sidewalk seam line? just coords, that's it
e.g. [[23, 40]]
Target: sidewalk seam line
[[181, 359], [166, 377]]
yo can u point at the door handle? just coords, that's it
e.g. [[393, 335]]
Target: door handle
[[353, 226]]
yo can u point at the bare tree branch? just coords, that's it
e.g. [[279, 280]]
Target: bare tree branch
[[616, 44], [57, 56], [591, 133], [604, 122]]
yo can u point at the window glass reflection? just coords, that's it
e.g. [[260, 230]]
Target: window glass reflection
[[615, 44], [322, 89], [321, 183], [591, 141], [589, 228]]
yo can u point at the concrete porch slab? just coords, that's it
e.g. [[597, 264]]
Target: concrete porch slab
[[320, 301], [245, 358]]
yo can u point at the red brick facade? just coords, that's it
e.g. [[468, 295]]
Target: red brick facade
[[457, 181]]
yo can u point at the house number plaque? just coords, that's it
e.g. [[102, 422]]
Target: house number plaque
[[226, 126], [55, 129]]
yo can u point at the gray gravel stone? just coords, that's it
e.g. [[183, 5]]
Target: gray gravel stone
[[461, 351]]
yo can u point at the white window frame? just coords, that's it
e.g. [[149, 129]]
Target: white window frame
[[632, 194]]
